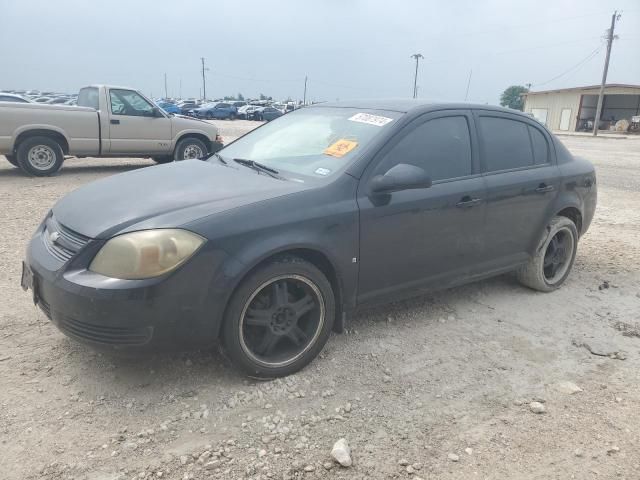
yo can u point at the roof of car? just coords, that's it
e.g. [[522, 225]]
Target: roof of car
[[405, 105]]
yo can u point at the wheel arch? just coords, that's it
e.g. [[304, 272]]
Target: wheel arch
[[200, 136], [574, 214], [311, 254], [42, 132]]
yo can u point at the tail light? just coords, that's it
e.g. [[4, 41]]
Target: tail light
[[219, 138]]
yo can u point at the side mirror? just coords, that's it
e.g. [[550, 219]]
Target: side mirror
[[400, 177]]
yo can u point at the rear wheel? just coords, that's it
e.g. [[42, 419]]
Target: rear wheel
[[279, 318], [40, 156], [190, 148], [552, 262]]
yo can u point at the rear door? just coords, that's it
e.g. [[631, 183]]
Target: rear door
[[133, 128], [424, 237], [522, 181]]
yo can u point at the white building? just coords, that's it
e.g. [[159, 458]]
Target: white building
[[571, 109]]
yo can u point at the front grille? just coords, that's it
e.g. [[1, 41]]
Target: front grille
[[103, 334], [62, 242]]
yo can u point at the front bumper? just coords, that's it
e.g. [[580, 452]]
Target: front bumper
[[175, 311]]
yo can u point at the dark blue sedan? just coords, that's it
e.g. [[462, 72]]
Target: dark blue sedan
[[218, 110]]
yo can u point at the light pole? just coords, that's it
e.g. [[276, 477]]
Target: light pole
[[417, 56]]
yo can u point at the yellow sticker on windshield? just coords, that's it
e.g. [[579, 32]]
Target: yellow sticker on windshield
[[340, 148]]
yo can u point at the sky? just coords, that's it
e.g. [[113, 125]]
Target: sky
[[346, 48]]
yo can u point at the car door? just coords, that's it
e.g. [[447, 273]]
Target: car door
[[133, 126], [522, 180], [432, 236]]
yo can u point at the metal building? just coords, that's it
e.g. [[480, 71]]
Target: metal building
[[574, 109]]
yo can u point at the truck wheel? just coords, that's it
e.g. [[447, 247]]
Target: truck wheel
[[190, 148], [551, 263], [164, 159], [12, 160], [279, 318], [40, 156]]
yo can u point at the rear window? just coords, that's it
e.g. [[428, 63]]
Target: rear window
[[540, 146], [88, 97], [506, 144]]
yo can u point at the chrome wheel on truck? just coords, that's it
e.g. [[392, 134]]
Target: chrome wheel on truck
[[40, 156], [190, 148]]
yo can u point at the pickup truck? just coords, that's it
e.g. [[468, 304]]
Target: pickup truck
[[107, 122]]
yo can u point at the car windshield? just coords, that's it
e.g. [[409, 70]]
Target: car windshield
[[316, 142]]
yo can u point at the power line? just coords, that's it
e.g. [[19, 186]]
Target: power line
[[576, 66]]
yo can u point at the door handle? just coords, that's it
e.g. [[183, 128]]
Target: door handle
[[115, 122], [544, 188], [467, 201]]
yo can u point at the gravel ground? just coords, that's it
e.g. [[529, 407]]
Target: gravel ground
[[487, 381]]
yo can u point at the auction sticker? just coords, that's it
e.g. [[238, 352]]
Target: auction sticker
[[370, 119], [340, 148]]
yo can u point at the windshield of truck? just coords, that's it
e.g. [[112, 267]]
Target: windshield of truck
[[317, 142]]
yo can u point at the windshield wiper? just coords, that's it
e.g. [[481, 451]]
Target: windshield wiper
[[258, 166]]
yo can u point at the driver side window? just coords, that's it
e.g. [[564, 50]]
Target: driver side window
[[441, 147], [128, 102]]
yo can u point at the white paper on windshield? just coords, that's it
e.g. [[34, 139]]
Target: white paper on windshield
[[376, 120]]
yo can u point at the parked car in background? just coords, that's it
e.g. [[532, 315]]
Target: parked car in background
[[218, 110], [41, 99], [12, 97], [187, 106], [108, 122], [268, 113], [169, 107], [57, 100], [248, 112], [271, 244]]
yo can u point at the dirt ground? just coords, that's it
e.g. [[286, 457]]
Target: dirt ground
[[438, 387]]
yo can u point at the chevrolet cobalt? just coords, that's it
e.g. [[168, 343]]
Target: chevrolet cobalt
[[268, 245]]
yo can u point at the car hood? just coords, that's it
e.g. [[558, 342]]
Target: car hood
[[165, 196]]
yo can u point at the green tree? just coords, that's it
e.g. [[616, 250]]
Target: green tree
[[240, 96], [512, 97]]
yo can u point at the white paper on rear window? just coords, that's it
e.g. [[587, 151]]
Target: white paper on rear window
[[376, 120]]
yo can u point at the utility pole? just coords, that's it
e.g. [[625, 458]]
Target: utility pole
[[610, 38], [304, 98], [204, 81], [165, 87], [417, 56], [466, 94]]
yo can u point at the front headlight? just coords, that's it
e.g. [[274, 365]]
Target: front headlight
[[145, 254]]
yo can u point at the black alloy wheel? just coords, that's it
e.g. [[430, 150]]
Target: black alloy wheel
[[281, 320]]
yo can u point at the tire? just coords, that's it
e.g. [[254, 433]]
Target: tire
[[282, 342], [190, 148], [40, 156], [165, 159], [12, 160], [209, 115], [232, 116], [542, 273]]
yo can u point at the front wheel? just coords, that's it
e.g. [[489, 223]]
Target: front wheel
[[12, 160], [190, 148], [40, 156], [552, 261], [279, 319]]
